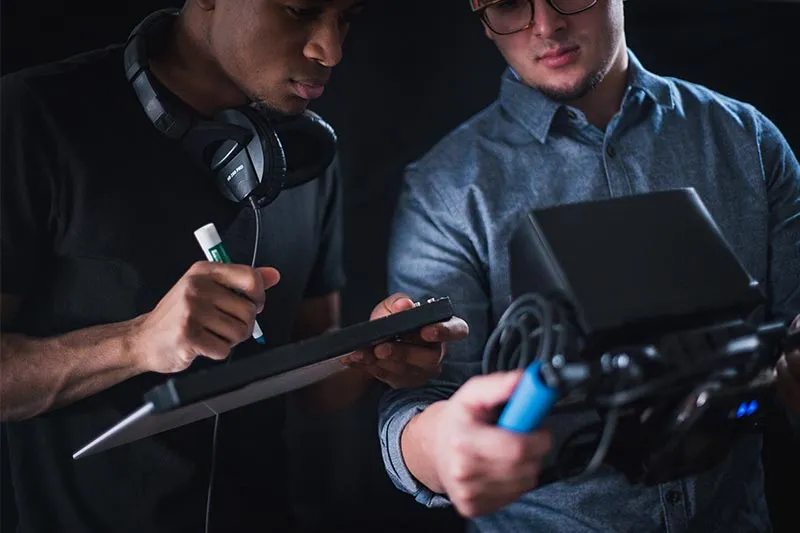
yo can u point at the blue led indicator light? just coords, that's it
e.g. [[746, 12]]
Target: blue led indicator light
[[742, 411]]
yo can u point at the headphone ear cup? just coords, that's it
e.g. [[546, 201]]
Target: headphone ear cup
[[269, 151], [256, 168], [310, 145]]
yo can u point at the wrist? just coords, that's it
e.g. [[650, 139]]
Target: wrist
[[418, 444], [133, 345]]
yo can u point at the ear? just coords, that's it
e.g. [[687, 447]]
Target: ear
[[489, 33], [205, 5]]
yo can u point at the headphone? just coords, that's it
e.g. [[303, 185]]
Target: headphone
[[252, 153]]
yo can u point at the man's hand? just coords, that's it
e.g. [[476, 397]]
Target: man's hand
[[413, 362], [480, 466], [788, 369], [211, 309]]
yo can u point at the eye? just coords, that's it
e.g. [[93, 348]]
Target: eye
[[302, 13], [507, 5]]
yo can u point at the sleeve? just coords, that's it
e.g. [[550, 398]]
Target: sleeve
[[27, 188], [327, 275], [431, 254], [782, 173]]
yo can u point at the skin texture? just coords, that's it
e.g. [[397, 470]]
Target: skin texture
[[221, 54], [453, 447], [228, 52], [594, 81]]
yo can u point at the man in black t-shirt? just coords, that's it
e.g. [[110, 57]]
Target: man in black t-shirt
[[104, 290]]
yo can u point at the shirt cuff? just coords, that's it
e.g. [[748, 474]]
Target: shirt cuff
[[393, 456]]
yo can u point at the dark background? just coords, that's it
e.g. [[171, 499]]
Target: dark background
[[412, 71]]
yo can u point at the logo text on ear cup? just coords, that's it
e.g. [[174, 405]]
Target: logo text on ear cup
[[235, 171]]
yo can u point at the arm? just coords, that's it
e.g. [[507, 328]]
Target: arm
[[440, 442], [201, 314], [430, 255], [43, 374], [782, 175]]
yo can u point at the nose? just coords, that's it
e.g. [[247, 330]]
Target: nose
[[546, 20], [325, 43]]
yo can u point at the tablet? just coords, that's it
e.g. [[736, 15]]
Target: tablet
[[195, 396]]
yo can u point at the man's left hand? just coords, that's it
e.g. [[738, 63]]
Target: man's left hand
[[410, 362], [788, 369]]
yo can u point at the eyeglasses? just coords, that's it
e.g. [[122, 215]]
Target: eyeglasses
[[505, 17]]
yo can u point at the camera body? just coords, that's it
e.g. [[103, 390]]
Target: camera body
[[638, 310]]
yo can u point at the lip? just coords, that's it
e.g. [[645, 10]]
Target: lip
[[309, 89], [560, 57]]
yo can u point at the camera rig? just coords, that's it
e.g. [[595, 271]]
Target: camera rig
[[664, 338]]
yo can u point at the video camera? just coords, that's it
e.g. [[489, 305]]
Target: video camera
[[637, 309]]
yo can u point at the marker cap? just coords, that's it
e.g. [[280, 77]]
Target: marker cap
[[208, 237]]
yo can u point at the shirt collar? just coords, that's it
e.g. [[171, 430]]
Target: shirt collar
[[535, 112], [656, 87]]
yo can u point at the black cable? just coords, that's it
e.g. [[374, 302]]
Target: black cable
[[257, 216], [516, 334]]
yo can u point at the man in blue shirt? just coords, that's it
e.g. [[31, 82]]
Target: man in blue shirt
[[577, 118]]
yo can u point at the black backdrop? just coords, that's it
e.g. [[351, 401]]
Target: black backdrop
[[411, 72]]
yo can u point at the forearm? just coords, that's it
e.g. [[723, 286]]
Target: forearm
[[416, 444], [39, 375]]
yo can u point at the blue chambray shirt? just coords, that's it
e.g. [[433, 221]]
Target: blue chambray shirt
[[461, 200]]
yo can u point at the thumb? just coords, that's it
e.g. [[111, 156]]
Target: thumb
[[393, 304], [483, 394], [270, 276]]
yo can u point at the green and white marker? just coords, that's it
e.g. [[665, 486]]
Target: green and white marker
[[211, 243]]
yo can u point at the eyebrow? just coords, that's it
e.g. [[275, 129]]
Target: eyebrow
[[356, 4]]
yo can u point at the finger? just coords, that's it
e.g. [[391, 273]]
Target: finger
[[490, 503], [788, 386], [207, 344], [222, 300], [229, 327], [417, 356], [792, 361], [395, 303], [452, 330], [358, 357], [484, 393], [501, 447], [398, 372], [269, 276], [241, 278]]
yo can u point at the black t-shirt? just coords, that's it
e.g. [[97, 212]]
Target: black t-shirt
[[98, 214]]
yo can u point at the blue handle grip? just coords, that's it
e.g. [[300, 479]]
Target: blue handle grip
[[530, 402]]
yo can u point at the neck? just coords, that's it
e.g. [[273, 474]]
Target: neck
[[604, 101], [186, 68]]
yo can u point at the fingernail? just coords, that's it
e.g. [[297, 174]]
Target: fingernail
[[384, 351]]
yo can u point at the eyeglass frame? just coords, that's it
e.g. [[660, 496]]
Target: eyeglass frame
[[481, 13]]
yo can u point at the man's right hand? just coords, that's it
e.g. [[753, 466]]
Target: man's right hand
[[483, 467], [201, 315]]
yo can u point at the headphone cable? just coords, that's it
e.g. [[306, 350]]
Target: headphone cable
[[257, 216]]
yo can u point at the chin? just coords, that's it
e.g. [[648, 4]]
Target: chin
[[569, 90]]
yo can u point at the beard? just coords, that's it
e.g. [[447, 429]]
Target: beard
[[569, 94]]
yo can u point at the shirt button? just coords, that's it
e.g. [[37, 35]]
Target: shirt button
[[674, 497], [611, 151]]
